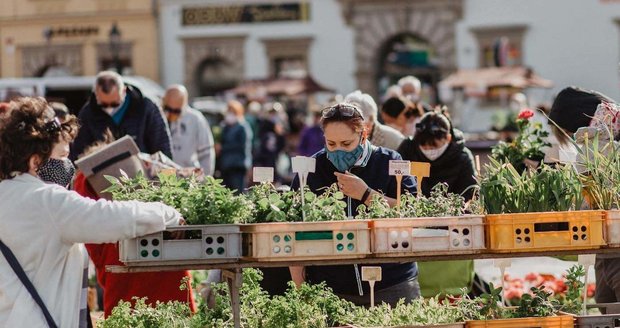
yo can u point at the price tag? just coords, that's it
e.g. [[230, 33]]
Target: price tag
[[399, 167], [262, 174], [421, 169], [586, 260], [303, 164], [371, 273]]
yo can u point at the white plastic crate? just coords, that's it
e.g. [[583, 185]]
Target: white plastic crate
[[306, 240], [397, 237], [199, 242], [612, 228]]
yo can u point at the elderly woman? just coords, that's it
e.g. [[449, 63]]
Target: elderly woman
[[379, 134], [43, 225], [361, 172]]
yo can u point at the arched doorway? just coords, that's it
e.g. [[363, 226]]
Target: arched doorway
[[407, 54], [215, 75]]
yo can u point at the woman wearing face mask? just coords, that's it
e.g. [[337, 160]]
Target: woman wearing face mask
[[361, 171], [436, 142], [58, 168], [235, 152], [43, 262]]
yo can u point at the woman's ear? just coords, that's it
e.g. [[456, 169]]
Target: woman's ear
[[33, 163], [364, 134], [449, 137]]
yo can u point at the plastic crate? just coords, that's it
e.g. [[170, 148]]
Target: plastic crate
[[545, 231], [306, 240], [397, 237], [560, 321], [199, 242], [601, 320], [451, 325], [612, 228]]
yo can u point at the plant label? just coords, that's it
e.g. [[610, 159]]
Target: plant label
[[586, 260], [263, 174], [399, 167], [168, 172], [371, 273], [303, 164], [421, 169]]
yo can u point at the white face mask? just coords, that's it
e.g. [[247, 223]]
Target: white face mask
[[230, 118], [435, 153]]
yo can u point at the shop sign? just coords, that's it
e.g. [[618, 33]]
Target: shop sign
[[214, 15], [72, 31]]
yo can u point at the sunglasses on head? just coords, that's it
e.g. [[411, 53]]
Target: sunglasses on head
[[170, 110], [341, 109]]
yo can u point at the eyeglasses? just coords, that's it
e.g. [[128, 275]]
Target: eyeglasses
[[342, 109], [170, 110]]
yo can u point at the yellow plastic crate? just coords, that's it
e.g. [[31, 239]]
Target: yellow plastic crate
[[561, 321], [286, 241], [545, 231]]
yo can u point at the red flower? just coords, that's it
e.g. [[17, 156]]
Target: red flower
[[525, 114]]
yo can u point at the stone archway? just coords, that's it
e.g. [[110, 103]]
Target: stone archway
[[375, 22], [199, 51]]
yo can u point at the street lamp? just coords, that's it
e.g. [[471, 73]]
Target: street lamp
[[115, 47]]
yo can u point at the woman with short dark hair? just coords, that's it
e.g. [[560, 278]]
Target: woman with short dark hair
[[44, 225]]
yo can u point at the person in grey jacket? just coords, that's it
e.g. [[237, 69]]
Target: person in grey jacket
[[192, 140], [235, 153], [379, 134]]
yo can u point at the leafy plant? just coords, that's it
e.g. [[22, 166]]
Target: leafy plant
[[572, 300], [143, 315], [504, 190], [204, 202], [601, 172], [440, 203], [527, 145], [537, 304]]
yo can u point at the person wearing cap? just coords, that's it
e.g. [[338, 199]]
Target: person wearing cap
[[124, 110], [572, 109], [379, 134], [361, 172], [46, 240], [192, 140], [401, 114]]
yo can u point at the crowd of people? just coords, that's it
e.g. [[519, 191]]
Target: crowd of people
[[42, 271]]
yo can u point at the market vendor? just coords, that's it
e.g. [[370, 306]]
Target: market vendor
[[361, 172], [438, 143], [43, 225]]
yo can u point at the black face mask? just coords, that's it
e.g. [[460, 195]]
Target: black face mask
[[58, 171]]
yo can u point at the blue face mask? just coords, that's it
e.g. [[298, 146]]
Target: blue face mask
[[344, 160]]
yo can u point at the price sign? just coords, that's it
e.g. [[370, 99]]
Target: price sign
[[371, 274], [262, 174], [303, 164], [399, 167], [421, 169]]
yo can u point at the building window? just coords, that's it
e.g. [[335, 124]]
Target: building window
[[288, 57], [500, 46]]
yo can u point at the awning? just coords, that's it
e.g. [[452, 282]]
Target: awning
[[278, 87], [484, 78]]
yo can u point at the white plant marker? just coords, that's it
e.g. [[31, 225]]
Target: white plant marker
[[262, 174], [399, 168], [502, 264], [303, 165], [587, 261], [372, 275], [420, 170]]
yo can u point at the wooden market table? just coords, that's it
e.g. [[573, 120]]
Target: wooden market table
[[232, 271]]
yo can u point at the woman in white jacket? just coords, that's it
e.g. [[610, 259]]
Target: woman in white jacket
[[44, 225]]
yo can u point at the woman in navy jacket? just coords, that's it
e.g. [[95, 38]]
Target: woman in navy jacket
[[361, 171]]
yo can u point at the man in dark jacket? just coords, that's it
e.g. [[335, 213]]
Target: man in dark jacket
[[124, 111]]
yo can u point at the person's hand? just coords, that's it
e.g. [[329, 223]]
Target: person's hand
[[351, 185]]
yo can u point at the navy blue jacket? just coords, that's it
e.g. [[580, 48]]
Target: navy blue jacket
[[143, 120], [236, 146], [341, 278]]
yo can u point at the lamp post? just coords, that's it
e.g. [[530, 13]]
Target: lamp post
[[115, 47]]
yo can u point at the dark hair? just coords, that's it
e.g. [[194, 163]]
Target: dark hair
[[355, 121], [433, 126], [394, 106], [30, 128]]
